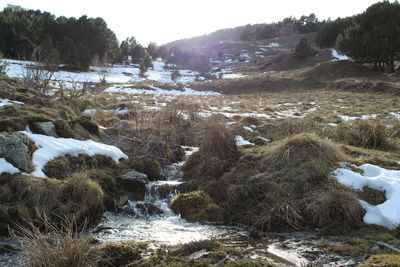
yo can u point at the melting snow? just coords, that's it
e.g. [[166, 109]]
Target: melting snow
[[396, 115], [6, 102], [113, 74], [232, 76], [51, 148], [158, 91], [270, 45], [240, 141], [386, 214], [116, 111], [249, 129], [362, 117], [336, 56], [6, 167]]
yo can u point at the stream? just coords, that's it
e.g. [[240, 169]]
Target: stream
[[153, 222]]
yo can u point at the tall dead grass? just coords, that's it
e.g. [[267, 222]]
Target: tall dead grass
[[296, 150], [55, 245], [367, 134]]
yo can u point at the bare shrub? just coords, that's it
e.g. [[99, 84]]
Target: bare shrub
[[101, 69], [40, 71]]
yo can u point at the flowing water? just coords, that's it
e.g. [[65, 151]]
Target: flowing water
[[153, 221]]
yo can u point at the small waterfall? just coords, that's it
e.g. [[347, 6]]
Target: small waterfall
[[153, 221], [159, 193]]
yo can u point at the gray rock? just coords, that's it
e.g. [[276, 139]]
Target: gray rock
[[134, 184], [123, 126], [46, 128], [15, 149], [79, 130], [134, 176]]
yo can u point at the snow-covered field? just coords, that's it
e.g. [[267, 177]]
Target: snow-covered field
[[114, 74], [156, 91]]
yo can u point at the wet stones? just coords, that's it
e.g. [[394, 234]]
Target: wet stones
[[134, 183]]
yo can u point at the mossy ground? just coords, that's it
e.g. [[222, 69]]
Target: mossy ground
[[211, 253]]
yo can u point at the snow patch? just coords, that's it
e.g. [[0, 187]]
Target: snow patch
[[158, 91], [336, 56], [396, 115], [7, 102], [51, 148], [6, 167], [386, 214], [362, 117], [240, 141]]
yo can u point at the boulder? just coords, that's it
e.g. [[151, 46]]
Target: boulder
[[15, 148], [134, 176], [82, 132], [63, 129], [134, 183], [148, 209], [45, 128]]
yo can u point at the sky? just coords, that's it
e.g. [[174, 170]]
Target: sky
[[164, 21]]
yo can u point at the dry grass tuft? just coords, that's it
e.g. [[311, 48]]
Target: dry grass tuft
[[217, 153], [336, 209], [55, 245], [367, 134], [296, 150], [218, 141]]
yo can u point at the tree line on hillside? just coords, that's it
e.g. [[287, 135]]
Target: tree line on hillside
[[288, 26], [370, 37], [74, 42]]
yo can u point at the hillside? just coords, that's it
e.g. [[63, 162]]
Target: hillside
[[223, 151]]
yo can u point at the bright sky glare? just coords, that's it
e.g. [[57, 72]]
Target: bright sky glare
[[163, 21]]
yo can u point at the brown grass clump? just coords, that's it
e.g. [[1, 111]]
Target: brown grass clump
[[372, 196], [336, 209], [367, 134], [82, 197], [218, 141], [217, 153], [197, 206], [64, 166], [54, 245], [26, 198], [272, 187], [146, 165], [296, 150]]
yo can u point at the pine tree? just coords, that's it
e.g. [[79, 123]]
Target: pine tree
[[375, 38], [145, 64], [304, 49]]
